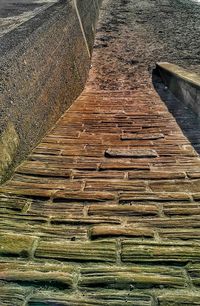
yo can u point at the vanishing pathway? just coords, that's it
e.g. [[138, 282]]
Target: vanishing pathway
[[106, 209]]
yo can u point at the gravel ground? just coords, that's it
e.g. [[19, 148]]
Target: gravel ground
[[13, 13], [133, 35]]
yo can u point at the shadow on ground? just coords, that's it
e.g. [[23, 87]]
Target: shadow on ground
[[185, 117]]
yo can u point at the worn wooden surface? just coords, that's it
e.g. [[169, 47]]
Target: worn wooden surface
[[106, 209]]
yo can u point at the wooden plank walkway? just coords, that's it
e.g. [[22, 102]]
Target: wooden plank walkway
[[106, 209]]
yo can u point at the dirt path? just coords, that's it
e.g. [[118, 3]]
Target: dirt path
[[133, 35]]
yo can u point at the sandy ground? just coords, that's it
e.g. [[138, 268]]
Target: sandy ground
[[133, 35]]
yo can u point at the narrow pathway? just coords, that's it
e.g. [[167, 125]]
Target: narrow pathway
[[106, 209]]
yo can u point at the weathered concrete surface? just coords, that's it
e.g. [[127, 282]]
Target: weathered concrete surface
[[140, 33], [44, 62], [110, 198], [14, 13], [185, 85]]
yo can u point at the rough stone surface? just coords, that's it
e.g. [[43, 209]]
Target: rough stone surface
[[80, 227], [183, 84], [14, 13], [45, 49]]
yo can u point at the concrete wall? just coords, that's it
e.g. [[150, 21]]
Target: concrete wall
[[183, 84], [44, 63]]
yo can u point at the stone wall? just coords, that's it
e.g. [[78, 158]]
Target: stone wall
[[185, 85], [44, 63]]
